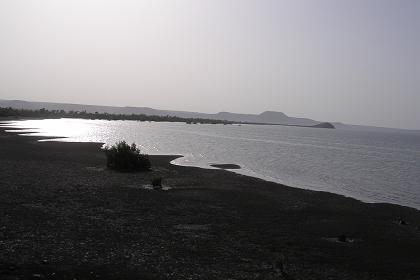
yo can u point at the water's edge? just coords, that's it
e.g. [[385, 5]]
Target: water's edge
[[4, 125]]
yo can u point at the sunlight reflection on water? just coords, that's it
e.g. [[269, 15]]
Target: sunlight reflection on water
[[371, 166]]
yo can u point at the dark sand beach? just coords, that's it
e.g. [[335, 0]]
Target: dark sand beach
[[63, 215]]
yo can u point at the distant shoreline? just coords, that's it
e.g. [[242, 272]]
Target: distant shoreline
[[320, 125], [267, 117], [52, 114]]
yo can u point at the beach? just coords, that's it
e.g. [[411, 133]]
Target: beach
[[63, 215]]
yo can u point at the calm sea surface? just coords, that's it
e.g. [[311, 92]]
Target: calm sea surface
[[370, 166]]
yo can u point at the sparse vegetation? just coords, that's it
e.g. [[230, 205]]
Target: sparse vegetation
[[50, 114], [126, 158]]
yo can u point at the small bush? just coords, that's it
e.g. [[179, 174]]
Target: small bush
[[157, 182], [126, 158]]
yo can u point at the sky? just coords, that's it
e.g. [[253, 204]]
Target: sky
[[354, 61]]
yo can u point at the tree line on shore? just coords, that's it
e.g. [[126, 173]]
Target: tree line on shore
[[51, 114]]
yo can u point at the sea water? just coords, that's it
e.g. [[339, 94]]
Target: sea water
[[371, 166]]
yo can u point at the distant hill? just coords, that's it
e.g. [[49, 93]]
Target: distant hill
[[324, 125], [268, 117]]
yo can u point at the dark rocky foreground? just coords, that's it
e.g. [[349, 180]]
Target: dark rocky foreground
[[63, 216]]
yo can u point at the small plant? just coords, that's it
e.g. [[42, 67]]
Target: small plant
[[126, 158], [157, 182]]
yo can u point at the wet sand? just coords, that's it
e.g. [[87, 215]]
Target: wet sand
[[63, 215]]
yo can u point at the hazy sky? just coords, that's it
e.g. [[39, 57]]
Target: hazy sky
[[356, 61]]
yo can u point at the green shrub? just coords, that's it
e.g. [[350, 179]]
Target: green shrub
[[126, 158]]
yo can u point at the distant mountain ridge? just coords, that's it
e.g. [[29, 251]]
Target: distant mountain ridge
[[268, 117]]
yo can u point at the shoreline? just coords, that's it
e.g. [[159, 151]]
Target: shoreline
[[64, 213], [211, 166], [235, 168]]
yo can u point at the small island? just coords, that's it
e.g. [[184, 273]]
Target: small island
[[226, 166]]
